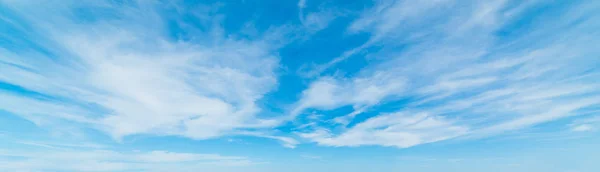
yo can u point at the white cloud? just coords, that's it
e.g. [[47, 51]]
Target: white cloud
[[582, 128], [389, 15], [137, 79], [457, 67], [329, 93], [585, 124], [315, 21], [397, 129], [361, 92], [287, 142], [384, 21]]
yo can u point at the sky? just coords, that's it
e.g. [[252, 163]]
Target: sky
[[295, 86]]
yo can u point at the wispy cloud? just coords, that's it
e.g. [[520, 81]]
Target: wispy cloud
[[331, 93], [398, 129], [459, 73], [381, 21], [314, 21], [585, 124], [115, 68]]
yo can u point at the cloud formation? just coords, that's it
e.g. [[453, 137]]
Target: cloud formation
[[125, 76], [420, 71], [586, 124], [397, 129], [459, 73]]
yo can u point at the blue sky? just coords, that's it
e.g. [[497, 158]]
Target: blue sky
[[278, 85]]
